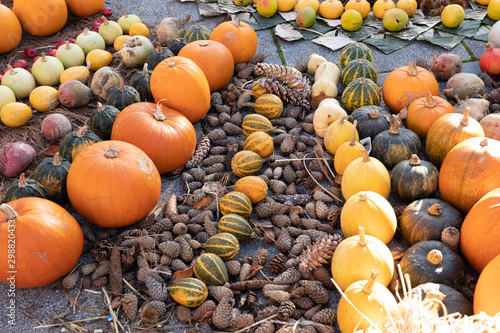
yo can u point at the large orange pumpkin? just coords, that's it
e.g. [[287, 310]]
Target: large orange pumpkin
[[85, 8], [469, 171], [405, 84], [48, 242], [41, 18], [179, 83], [113, 184], [481, 230], [10, 28], [487, 292], [238, 37], [214, 59], [165, 135]]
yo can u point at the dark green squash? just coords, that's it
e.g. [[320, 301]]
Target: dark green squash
[[433, 261], [371, 120], [414, 179], [140, 82], [24, 187], [102, 120], [73, 143], [176, 45], [454, 301], [354, 50], [358, 68], [395, 145], [52, 173], [360, 92], [158, 55], [197, 32], [122, 96], [426, 219]]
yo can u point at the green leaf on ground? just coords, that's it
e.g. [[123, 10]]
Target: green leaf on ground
[[316, 30], [386, 43], [468, 28], [443, 39], [268, 22]]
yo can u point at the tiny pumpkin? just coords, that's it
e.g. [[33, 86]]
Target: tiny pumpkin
[[23, 188], [347, 152], [238, 37], [122, 96], [339, 132], [372, 120], [254, 187], [260, 143], [47, 70], [15, 114], [414, 179], [73, 143], [52, 174], [102, 119]]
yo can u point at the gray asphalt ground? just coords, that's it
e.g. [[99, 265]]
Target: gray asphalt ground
[[49, 300]]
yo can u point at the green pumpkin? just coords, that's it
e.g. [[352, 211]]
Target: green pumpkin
[[371, 120], [122, 96], [197, 32], [102, 120], [358, 68], [140, 82], [210, 269], [235, 225], [454, 301], [74, 142], [225, 245], [360, 92], [52, 173], [176, 45], [24, 187], [355, 50], [158, 56]]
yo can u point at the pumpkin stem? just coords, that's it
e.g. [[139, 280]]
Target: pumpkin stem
[[412, 69], [185, 20], [159, 49], [488, 46], [11, 70], [362, 61], [171, 64], [368, 288], [88, 64], [465, 119], [86, 31], [429, 100], [414, 160], [374, 113], [342, 120], [362, 196], [111, 152], [237, 21], [366, 157], [435, 257], [431, 298], [353, 135], [67, 45], [43, 57], [22, 181], [145, 70], [362, 80], [122, 84], [158, 115], [394, 129], [435, 209], [484, 143], [362, 238], [9, 212], [81, 131], [358, 44], [100, 108], [204, 43], [104, 20], [57, 159]]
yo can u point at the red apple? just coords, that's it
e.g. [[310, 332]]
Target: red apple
[[36, 58], [96, 25], [60, 44], [106, 11], [72, 41], [52, 52], [20, 63], [5, 70], [30, 52], [100, 19]]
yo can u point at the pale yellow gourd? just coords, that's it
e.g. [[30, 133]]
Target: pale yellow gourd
[[347, 152], [337, 133], [314, 61], [328, 111], [325, 84], [6, 96]]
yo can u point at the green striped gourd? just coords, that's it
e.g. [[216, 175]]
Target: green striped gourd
[[269, 105], [210, 269], [24, 187], [355, 50], [360, 92], [102, 120], [254, 123], [246, 163], [225, 245], [358, 68], [197, 32], [52, 173], [235, 203], [74, 142], [260, 143], [140, 82], [235, 225], [189, 292]]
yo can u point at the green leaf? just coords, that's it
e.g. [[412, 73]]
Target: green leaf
[[445, 40], [468, 28], [319, 27], [482, 33], [230, 7], [361, 33], [268, 22], [386, 43]]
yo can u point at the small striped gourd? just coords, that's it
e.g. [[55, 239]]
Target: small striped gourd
[[360, 92], [158, 55], [269, 105], [122, 96], [358, 68], [254, 187], [337, 133], [24, 188], [260, 143], [225, 245], [235, 203], [102, 120], [347, 152], [210, 269], [74, 142], [189, 292], [197, 32], [52, 173], [235, 225], [246, 163], [355, 50], [140, 82], [254, 123]]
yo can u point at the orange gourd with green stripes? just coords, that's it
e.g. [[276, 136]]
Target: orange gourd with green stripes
[[189, 292], [360, 92], [210, 269], [235, 203], [235, 225], [358, 68], [254, 123], [254, 187], [225, 245], [354, 50], [246, 163], [260, 143], [269, 105]]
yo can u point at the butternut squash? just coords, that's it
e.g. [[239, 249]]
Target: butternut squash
[[328, 111], [325, 84], [314, 61]]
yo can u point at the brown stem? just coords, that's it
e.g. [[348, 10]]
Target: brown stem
[[353, 135], [394, 129], [368, 288], [185, 20], [112, 152], [362, 238], [362, 61], [412, 69], [435, 209], [171, 64], [145, 70], [100, 108], [159, 49], [81, 131], [366, 157], [22, 181], [358, 44], [343, 119], [86, 31], [362, 196], [414, 160], [488, 46], [465, 118], [44, 59], [429, 100], [435, 257], [158, 115], [105, 20], [57, 159], [374, 113], [484, 143], [204, 43], [9, 212], [11, 70], [362, 80], [122, 84]]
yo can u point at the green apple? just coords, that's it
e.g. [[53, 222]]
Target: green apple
[[395, 19]]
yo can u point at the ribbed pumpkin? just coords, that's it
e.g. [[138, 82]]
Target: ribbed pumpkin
[[424, 111], [372, 120], [210, 269], [235, 225], [328, 111], [197, 32], [447, 132], [254, 123], [246, 163], [140, 82], [337, 133], [395, 145], [24, 187], [360, 92], [414, 179], [255, 188], [176, 45], [73, 143], [358, 68], [480, 231], [85, 8], [405, 84], [158, 55], [52, 173], [426, 219], [214, 59], [165, 135], [189, 292], [269, 105], [11, 30], [366, 174], [101, 121], [122, 96], [113, 184], [235, 203], [486, 294], [260, 143], [238, 37], [356, 256], [469, 171], [347, 152], [225, 245], [41, 18], [355, 50], [179, 83]]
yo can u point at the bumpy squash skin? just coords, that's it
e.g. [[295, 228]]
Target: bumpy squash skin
[[101, 121], [358, 68], [73, 93], [225, 245], [355, 50], [246, 163], [255, 122], [360, 92], [24, 187], [236, 203], [52, 173], [75, 142]]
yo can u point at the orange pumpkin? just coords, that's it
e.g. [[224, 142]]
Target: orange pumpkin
[[49, 241], [214, 59], [238, 37], [41, 18], [165, 135], [85, 8], [405, 84], [424, 111], [487, 292], [113, 184], [179, 83], [481, 230], [469, 171], [10, 28]]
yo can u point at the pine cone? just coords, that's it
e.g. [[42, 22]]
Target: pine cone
[[152, 311], [156, 289], [250, 300], [304, 302], [102, 270], [321, 210], [266, 312], [200, 153], [306, 329], [88, 233], [319, 253], [170, 248], [326, 316], [281, 221], [322, 196], [266, 327], [284, 241], [333, 216], [290, 76], [310, 223], [220, 292], [289, 276], [267, 209], [71, 280], [89, 268], [260, 257], [312, 311], [287, 146], [243, 320], [289, 174], [324, 276], [100, 282], [310, 209], [277, 186], [249, 285], [324, 328], [451, 237], [178, 265], [399, 210], [129, 306], [216, 98], [277, 295], [245, 271], [276, 263], [204, 312], [216, 134], [316, 291], [162, 225], [289, 95], [315, 234], [101, 250], [211, 227], [187, 253], [115, 271], [223, 314], [286, 310]]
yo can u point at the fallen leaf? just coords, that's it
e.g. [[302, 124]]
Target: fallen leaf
[[51, 150], [254, 269], [185, 274], [202, 203]]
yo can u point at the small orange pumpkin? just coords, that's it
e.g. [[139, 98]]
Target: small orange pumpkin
[[238, 37], [10, 28], [41, 18], [254, 187], [85, 8]]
